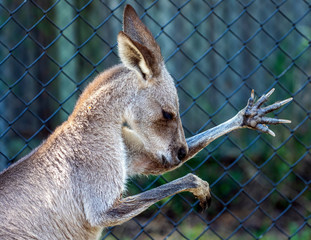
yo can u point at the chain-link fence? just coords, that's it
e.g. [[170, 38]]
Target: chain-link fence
[[217, 51]]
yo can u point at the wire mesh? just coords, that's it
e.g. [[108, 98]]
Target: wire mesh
[[216, 51]]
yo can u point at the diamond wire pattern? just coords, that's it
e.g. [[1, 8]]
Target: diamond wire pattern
[[217, 51]]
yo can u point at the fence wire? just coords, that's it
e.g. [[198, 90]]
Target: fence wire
[[217, 51]]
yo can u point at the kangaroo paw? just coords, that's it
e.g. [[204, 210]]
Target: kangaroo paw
[[253, 114]]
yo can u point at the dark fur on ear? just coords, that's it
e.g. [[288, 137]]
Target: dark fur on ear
[[140, 35], [137, 56]]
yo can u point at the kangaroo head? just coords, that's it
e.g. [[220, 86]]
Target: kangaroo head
[[152, 127]]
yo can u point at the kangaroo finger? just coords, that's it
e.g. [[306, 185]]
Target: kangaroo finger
[[251, 99], [276, 105], [265, 129], [263, 98], [267, 120]]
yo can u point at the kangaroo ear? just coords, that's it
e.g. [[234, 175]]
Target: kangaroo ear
[[142, 38], [136, 56]]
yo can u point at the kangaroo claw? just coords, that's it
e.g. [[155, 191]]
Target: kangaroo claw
[[206, 203]]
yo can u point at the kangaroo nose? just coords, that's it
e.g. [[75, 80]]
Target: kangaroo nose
[[182, 152]]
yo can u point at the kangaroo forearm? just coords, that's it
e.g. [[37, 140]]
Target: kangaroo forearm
[[201, 140], [252, 116], [131, 206]]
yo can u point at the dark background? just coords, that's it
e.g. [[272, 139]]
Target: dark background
[[216, 51]]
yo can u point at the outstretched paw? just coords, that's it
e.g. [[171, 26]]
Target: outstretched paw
[[253, 114]]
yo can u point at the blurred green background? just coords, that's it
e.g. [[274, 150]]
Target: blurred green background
[[216, 51]]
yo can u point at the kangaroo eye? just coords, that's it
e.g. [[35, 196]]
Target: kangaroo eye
[[167, 115]]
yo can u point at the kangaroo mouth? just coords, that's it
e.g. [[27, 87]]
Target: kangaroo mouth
[[168, 164]]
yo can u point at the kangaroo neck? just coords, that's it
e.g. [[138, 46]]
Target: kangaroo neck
[[105, 99]]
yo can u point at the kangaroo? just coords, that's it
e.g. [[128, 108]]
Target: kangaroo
[[126, 122]]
